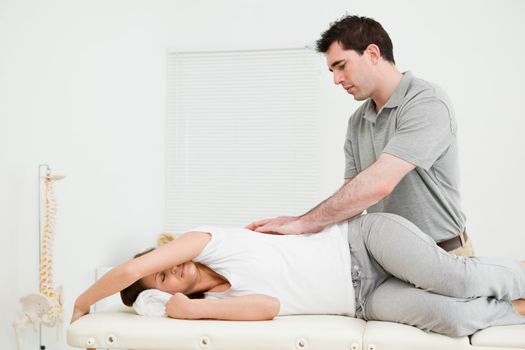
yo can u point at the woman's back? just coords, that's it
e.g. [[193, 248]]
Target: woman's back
[[309, 274]]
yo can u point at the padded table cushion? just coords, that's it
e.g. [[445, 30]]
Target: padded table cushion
[[501, 337], [127, 330]]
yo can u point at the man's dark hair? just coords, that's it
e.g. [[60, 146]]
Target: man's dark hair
[[356, 33], [131, 293]]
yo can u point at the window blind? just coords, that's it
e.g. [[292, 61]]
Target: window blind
[[242, 136]]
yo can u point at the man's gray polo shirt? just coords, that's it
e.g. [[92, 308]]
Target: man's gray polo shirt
[[417, 124]]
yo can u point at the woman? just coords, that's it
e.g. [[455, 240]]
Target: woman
[[390, 272]]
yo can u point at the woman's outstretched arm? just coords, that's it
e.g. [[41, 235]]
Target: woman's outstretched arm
[[253, 307], [182, 249]]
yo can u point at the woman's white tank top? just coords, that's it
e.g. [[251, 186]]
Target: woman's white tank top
[[308, 273]]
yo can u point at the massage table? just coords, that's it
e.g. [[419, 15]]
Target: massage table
[[121, 328]]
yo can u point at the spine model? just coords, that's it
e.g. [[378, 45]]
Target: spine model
[[44, 308], [54, 315]]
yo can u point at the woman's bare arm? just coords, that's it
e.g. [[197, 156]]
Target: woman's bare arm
[[254, 307], [182, 249]]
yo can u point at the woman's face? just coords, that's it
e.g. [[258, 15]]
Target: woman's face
[[178, 279]]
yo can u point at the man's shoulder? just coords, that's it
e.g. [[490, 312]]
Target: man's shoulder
[[424, 90], [425, 100]]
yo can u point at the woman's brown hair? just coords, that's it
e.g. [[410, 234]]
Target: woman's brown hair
[[130, 294]]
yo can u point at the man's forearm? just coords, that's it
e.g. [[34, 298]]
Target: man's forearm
[[367, 188], [350, 200]]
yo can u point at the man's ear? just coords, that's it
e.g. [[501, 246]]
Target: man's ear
[[373, 52]]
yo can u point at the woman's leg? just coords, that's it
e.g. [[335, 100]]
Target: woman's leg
[[402, 250], [401, 302]]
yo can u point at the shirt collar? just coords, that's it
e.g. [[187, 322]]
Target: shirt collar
[[394, 100], [401, 91], [370, 111]]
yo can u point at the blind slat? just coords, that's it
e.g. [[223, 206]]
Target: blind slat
[[242, 137]]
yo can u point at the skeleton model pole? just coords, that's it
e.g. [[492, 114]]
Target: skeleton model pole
[[44, 308], [46, 250]]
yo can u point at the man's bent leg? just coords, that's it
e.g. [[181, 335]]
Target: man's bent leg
[[402, 250]]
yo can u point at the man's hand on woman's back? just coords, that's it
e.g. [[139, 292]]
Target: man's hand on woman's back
[[284, 225]]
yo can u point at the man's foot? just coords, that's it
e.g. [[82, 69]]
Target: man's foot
[[519, 305]]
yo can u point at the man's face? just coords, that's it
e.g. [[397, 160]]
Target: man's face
[[351, 70]]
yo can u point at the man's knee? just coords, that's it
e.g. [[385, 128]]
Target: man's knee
[[377, 224]]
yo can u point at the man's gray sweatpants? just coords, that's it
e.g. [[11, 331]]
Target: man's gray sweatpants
[[401, 275]]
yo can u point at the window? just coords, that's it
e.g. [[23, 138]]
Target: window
[[242, 136]]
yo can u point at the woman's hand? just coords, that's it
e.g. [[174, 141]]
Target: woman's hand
[[77, 313], [179, 306]]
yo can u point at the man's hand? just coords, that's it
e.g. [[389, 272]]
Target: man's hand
[[281, 220], [179, 306], [284, 225]]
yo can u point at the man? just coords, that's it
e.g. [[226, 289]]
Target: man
[[401, 149]]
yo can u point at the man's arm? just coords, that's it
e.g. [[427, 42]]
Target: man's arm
[[347, 180], [365, 189], [254, 307], [281, 220]]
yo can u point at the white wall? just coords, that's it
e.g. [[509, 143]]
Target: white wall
[[82, 88]]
